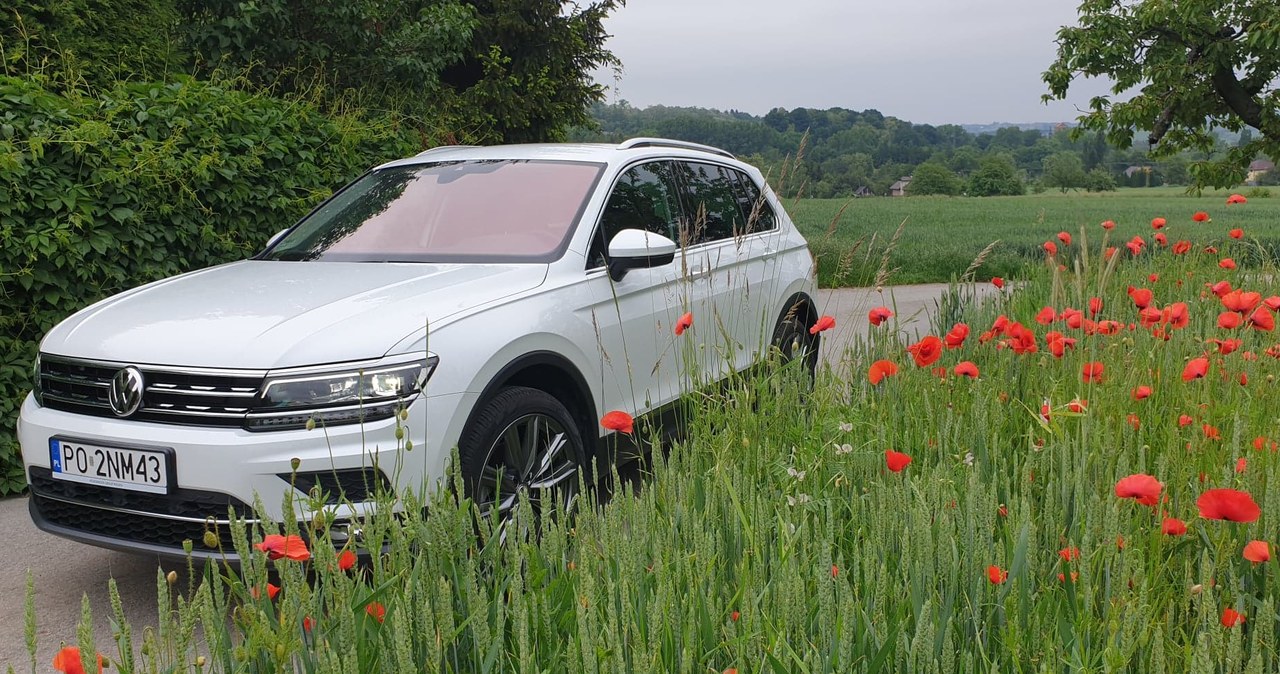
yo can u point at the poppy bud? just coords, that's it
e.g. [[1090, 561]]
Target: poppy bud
[[295, 462], [200, 660], [210, 539], [311, 424], [171, 577]]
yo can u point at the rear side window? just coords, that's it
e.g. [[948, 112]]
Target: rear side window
[[711, 203], [760, 217]]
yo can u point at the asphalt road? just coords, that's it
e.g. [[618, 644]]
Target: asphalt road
[[64, 572]]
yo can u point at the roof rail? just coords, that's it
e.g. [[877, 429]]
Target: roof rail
[[439, 148], [664, 142]]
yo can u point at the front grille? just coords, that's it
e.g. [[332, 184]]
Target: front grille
[[171, 396], [156, 519]]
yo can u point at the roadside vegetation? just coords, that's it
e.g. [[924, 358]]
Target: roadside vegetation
[[1079, 474]]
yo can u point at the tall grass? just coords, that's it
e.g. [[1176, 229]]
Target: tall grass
[[773, 537]]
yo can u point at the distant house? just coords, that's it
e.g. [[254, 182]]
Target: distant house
[[863, 191], [899, 188], [1256, 169]]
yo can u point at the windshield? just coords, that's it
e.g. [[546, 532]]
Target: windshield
[[462, 211]]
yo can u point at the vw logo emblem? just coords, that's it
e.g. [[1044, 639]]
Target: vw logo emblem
[[125, 395]]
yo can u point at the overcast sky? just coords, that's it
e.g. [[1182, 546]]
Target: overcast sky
[[923, 61]]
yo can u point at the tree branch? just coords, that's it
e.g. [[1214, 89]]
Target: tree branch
[[1237, 97]]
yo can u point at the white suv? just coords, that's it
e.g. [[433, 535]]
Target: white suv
[[495, 299]]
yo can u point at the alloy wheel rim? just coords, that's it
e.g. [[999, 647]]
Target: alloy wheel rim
[[531, 455]]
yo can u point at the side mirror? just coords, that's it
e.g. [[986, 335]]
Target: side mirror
[[275, 238], [638, 249]]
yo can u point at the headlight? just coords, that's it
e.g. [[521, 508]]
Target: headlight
[[340, 397], [35, 380]]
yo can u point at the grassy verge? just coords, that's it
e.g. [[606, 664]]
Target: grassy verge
[[784, 536], [942, 235]]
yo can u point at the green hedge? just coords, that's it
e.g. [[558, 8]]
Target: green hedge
[[102, 193]]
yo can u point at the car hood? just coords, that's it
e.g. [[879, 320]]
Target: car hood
[[262, 315]]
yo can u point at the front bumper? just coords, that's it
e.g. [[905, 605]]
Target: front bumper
[[220, 471]]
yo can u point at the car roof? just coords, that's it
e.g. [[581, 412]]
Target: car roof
[[626, 151]]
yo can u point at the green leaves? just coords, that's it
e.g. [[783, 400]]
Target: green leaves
[[1182, 69]]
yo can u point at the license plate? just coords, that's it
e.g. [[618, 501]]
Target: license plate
[[120, 467]]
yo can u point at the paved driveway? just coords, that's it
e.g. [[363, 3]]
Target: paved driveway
[[65, 571]]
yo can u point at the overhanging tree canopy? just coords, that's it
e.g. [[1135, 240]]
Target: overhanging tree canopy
[[1196, 65]]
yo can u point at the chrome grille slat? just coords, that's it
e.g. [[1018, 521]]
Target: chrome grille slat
[[199, 397]]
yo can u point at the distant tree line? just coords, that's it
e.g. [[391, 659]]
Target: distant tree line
[[847, 153]]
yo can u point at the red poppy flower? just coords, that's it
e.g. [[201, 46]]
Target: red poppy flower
[[1176, 315], [835, 571], [684, 323], [67, 661], [1045, 316], [1200, 216], [1226, 346], [1133, 421], [1141, 392], [956, 336], [1185, 420], [881, 369], [1211, 432], [1210, 250], [1240, 301], [1157, 223], [346, 560], [1135, 249], [926, 351], [307, 623], [1109, 327], [1141, 297], [1108, 225], [1262, 319], [1156, 277], [1236, 199], [1196, 368], [1065, 238], [1078, 406], [1228, 504], [1257, 551], [996, 575], [1092, 372], [896, 461], [1051, 248], [879, 315], [1221, 288], [377, 610], [618, 420], [1272, 303], [1074, 318], [1161, 239], [1075, 577], [734, 616], [1095, 305], [966, 369], [1236, 233], [1172, 526], [1181, 247], [997, 282], [1241, 465], [1229, 320], [272, 591], [1227, 263], [290, 547], [1069, 554], [1231, 617], [823, 323]]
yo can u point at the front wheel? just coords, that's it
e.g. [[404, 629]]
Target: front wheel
[[522, 442]]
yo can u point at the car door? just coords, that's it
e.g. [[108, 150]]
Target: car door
[[644, 361], [731, 233]]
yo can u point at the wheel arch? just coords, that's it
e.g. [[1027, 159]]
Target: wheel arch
[[801, 306], [554, 374]]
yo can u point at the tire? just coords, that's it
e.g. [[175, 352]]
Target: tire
[[523, 440], [793, 342]]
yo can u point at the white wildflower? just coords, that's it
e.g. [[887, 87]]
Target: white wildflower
[[797, 474], [844, 449], [845, 426]]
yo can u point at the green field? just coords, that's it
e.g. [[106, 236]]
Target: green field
[[941, 236]]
